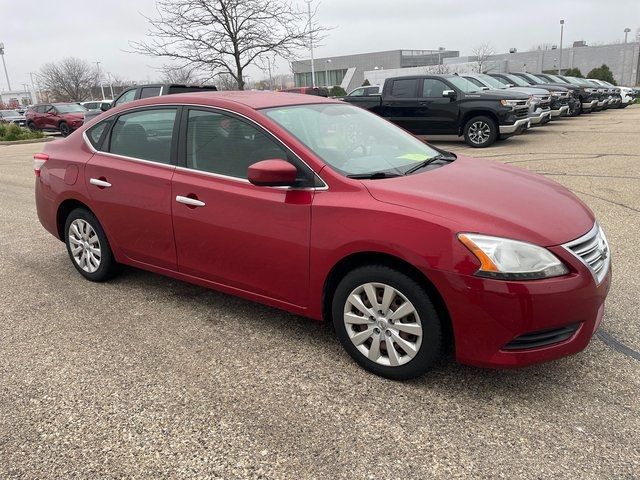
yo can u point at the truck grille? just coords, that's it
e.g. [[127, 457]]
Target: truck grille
[[521, 111], [593, 250], [542, 338]]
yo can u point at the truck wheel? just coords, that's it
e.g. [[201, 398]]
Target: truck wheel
[[480, 132]]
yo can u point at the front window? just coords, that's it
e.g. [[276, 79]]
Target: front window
[[351, 140], [463, 84], [70, 108]]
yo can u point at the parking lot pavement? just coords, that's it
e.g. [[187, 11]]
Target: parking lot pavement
[[147, 377]]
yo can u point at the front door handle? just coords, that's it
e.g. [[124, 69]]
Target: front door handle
[[99, 183], [192, 202]]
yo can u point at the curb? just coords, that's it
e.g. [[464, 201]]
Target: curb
[[33, 140]]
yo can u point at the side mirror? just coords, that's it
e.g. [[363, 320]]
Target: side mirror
[[449, 94], [272, 173]]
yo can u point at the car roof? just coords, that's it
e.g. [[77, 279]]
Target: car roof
[[252, 99]]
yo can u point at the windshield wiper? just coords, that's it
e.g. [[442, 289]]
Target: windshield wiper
[[428, 162], [373, 175]]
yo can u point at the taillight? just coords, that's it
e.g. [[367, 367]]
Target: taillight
[[38, 161]]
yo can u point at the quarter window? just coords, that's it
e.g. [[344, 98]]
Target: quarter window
[[145, 134], [95, 133]]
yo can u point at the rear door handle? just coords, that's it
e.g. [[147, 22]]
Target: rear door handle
[[192, 202], [99, 183]]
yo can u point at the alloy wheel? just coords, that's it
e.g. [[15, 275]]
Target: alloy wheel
[[85, 245], [479, 132], [383, 324]]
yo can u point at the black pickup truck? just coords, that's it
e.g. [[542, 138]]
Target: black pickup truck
[[449, 105], [147, 91]]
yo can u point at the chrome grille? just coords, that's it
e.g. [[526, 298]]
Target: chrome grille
[[593, 250]]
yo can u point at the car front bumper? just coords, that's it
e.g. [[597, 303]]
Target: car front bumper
[[517, 127], [560, 112], [589, 105], [490, 316], [540, 118]]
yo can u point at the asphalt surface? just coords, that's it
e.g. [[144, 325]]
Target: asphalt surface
[[147, 377]]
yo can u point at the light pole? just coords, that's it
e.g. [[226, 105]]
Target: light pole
[[100, 79], [35, 86], [4, 65], [326, 71], [270, 77], [626, 32], [110, 86], [313, 70], [561, 33]]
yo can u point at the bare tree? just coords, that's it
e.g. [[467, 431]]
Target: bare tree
[[226, 36], [69, 80], [440, 69], [225, 81], [481, 55], [182, 75]]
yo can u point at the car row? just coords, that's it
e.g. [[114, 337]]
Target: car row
[[486, 107], [326, 210]]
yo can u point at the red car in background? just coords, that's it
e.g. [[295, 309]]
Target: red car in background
[[328, 211], [55, 117]]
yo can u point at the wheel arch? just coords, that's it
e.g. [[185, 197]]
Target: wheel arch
[[64, 209], [478, 113], [360, 259]]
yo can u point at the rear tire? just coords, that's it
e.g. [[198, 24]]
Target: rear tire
[[409, 322], [88, 247], [480, 132]]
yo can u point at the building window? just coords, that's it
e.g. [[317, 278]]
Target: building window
[[335, 78]]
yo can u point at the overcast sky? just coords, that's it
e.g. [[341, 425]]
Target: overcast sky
[[41, 31]]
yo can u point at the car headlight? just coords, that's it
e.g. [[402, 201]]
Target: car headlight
[[509, 103], [505, 259]]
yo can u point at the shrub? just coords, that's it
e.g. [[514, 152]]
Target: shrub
[[573, 72], [337, 91], [12, 132], [366, 83]]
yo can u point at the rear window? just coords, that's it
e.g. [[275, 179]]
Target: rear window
[[404, 88], [186, 89]]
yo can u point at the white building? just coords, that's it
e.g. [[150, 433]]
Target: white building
[[16, 97]]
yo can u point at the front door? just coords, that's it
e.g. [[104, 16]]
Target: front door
[[438, 114], [129, 181], [228, 231]]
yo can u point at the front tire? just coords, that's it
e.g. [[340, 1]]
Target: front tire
[[64, 129], [88, 247], [32, 126], [386, 322], [480, 132]]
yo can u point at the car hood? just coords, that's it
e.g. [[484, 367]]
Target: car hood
[[530, 90], [556, 87], [492, 198], [13, 117], [497, 95]]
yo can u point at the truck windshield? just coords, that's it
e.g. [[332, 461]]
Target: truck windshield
[[516, 80], [492, 82], [352, 140], [465, 85]]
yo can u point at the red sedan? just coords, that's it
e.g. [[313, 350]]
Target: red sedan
[[328, 211]]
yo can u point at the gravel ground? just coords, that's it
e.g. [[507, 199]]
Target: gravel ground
[[147, 377]]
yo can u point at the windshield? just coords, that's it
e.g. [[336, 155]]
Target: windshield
[[464, 84], [9, 113], [70, 108], [542, 79], [491, 81], [517, 80], [557, 79], [352, 140], [573, 80]]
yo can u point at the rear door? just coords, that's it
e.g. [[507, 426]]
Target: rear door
[[438, 115], [400, 103], [228, 231], [129, 181]]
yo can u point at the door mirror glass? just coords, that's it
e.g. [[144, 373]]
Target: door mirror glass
[[449, 93], [272, 173]]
